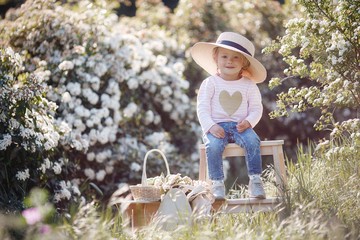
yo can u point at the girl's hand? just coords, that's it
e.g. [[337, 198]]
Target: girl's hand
[[217, 131], [242, 126]]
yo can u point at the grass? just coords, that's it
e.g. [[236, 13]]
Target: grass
[[322, 201]]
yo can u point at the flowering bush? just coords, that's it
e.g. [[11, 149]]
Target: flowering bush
[[29, 133], [322, 45], [117, 91]]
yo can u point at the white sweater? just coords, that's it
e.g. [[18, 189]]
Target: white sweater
[[219, 100]]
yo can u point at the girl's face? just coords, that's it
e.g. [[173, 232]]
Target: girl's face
[[230, 63]]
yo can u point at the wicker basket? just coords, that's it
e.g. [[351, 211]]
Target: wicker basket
[[143, 191]]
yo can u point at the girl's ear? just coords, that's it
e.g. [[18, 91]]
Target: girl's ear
[[215, 54], [215, 57]]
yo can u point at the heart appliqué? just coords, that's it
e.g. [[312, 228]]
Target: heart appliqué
[[230, 103]]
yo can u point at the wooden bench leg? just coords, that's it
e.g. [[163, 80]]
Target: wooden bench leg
[[279, 165], [202, 165]]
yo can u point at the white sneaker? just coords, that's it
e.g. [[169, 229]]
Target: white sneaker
[[218, 189], [256, 189]]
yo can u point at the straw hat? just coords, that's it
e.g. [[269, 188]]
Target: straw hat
[[202, 53]]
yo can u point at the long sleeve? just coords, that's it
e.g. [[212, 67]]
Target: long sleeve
[[255, 107], [205, 95]]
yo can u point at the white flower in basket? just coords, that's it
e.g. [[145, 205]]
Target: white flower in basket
[[152, 189], [149, 189]]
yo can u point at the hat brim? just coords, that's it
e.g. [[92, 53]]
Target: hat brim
[[202, 53]]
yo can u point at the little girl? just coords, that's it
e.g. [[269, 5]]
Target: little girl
[[229, 106]]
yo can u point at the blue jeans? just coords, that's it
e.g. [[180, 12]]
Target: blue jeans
[[248, 140]]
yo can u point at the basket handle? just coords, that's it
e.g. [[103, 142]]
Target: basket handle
[[144, 176]]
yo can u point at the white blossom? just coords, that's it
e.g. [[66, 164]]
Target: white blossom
[[104, 112], [79, 49], [157, 119], [23, 175], [89, 173], [90, 156], [95, 119], [5, 142], [82, 111], [43, 75], [155, 138], [105, 100], [80, 126], [2, 117], [76, 144], [130, 110], [74, 88], [100, 69], [57, 168], [109, 169], [133, 83], [63, 127], [109, 121], [65, 193], [89, 123], [149, 117], [167, 107], [14, 124], [100, 175], [76, 190], [135, 167], [179, 67], [161, 60], [48, 145], [66, 97], [66, 65], [91, 96], [45, 165], [95, 83], [93, 136], [102, 156], [104, 135], [166, 91]]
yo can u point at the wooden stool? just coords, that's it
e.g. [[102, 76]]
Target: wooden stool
[[273, 148]]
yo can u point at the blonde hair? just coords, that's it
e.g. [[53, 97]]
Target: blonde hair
[[245, 61]]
